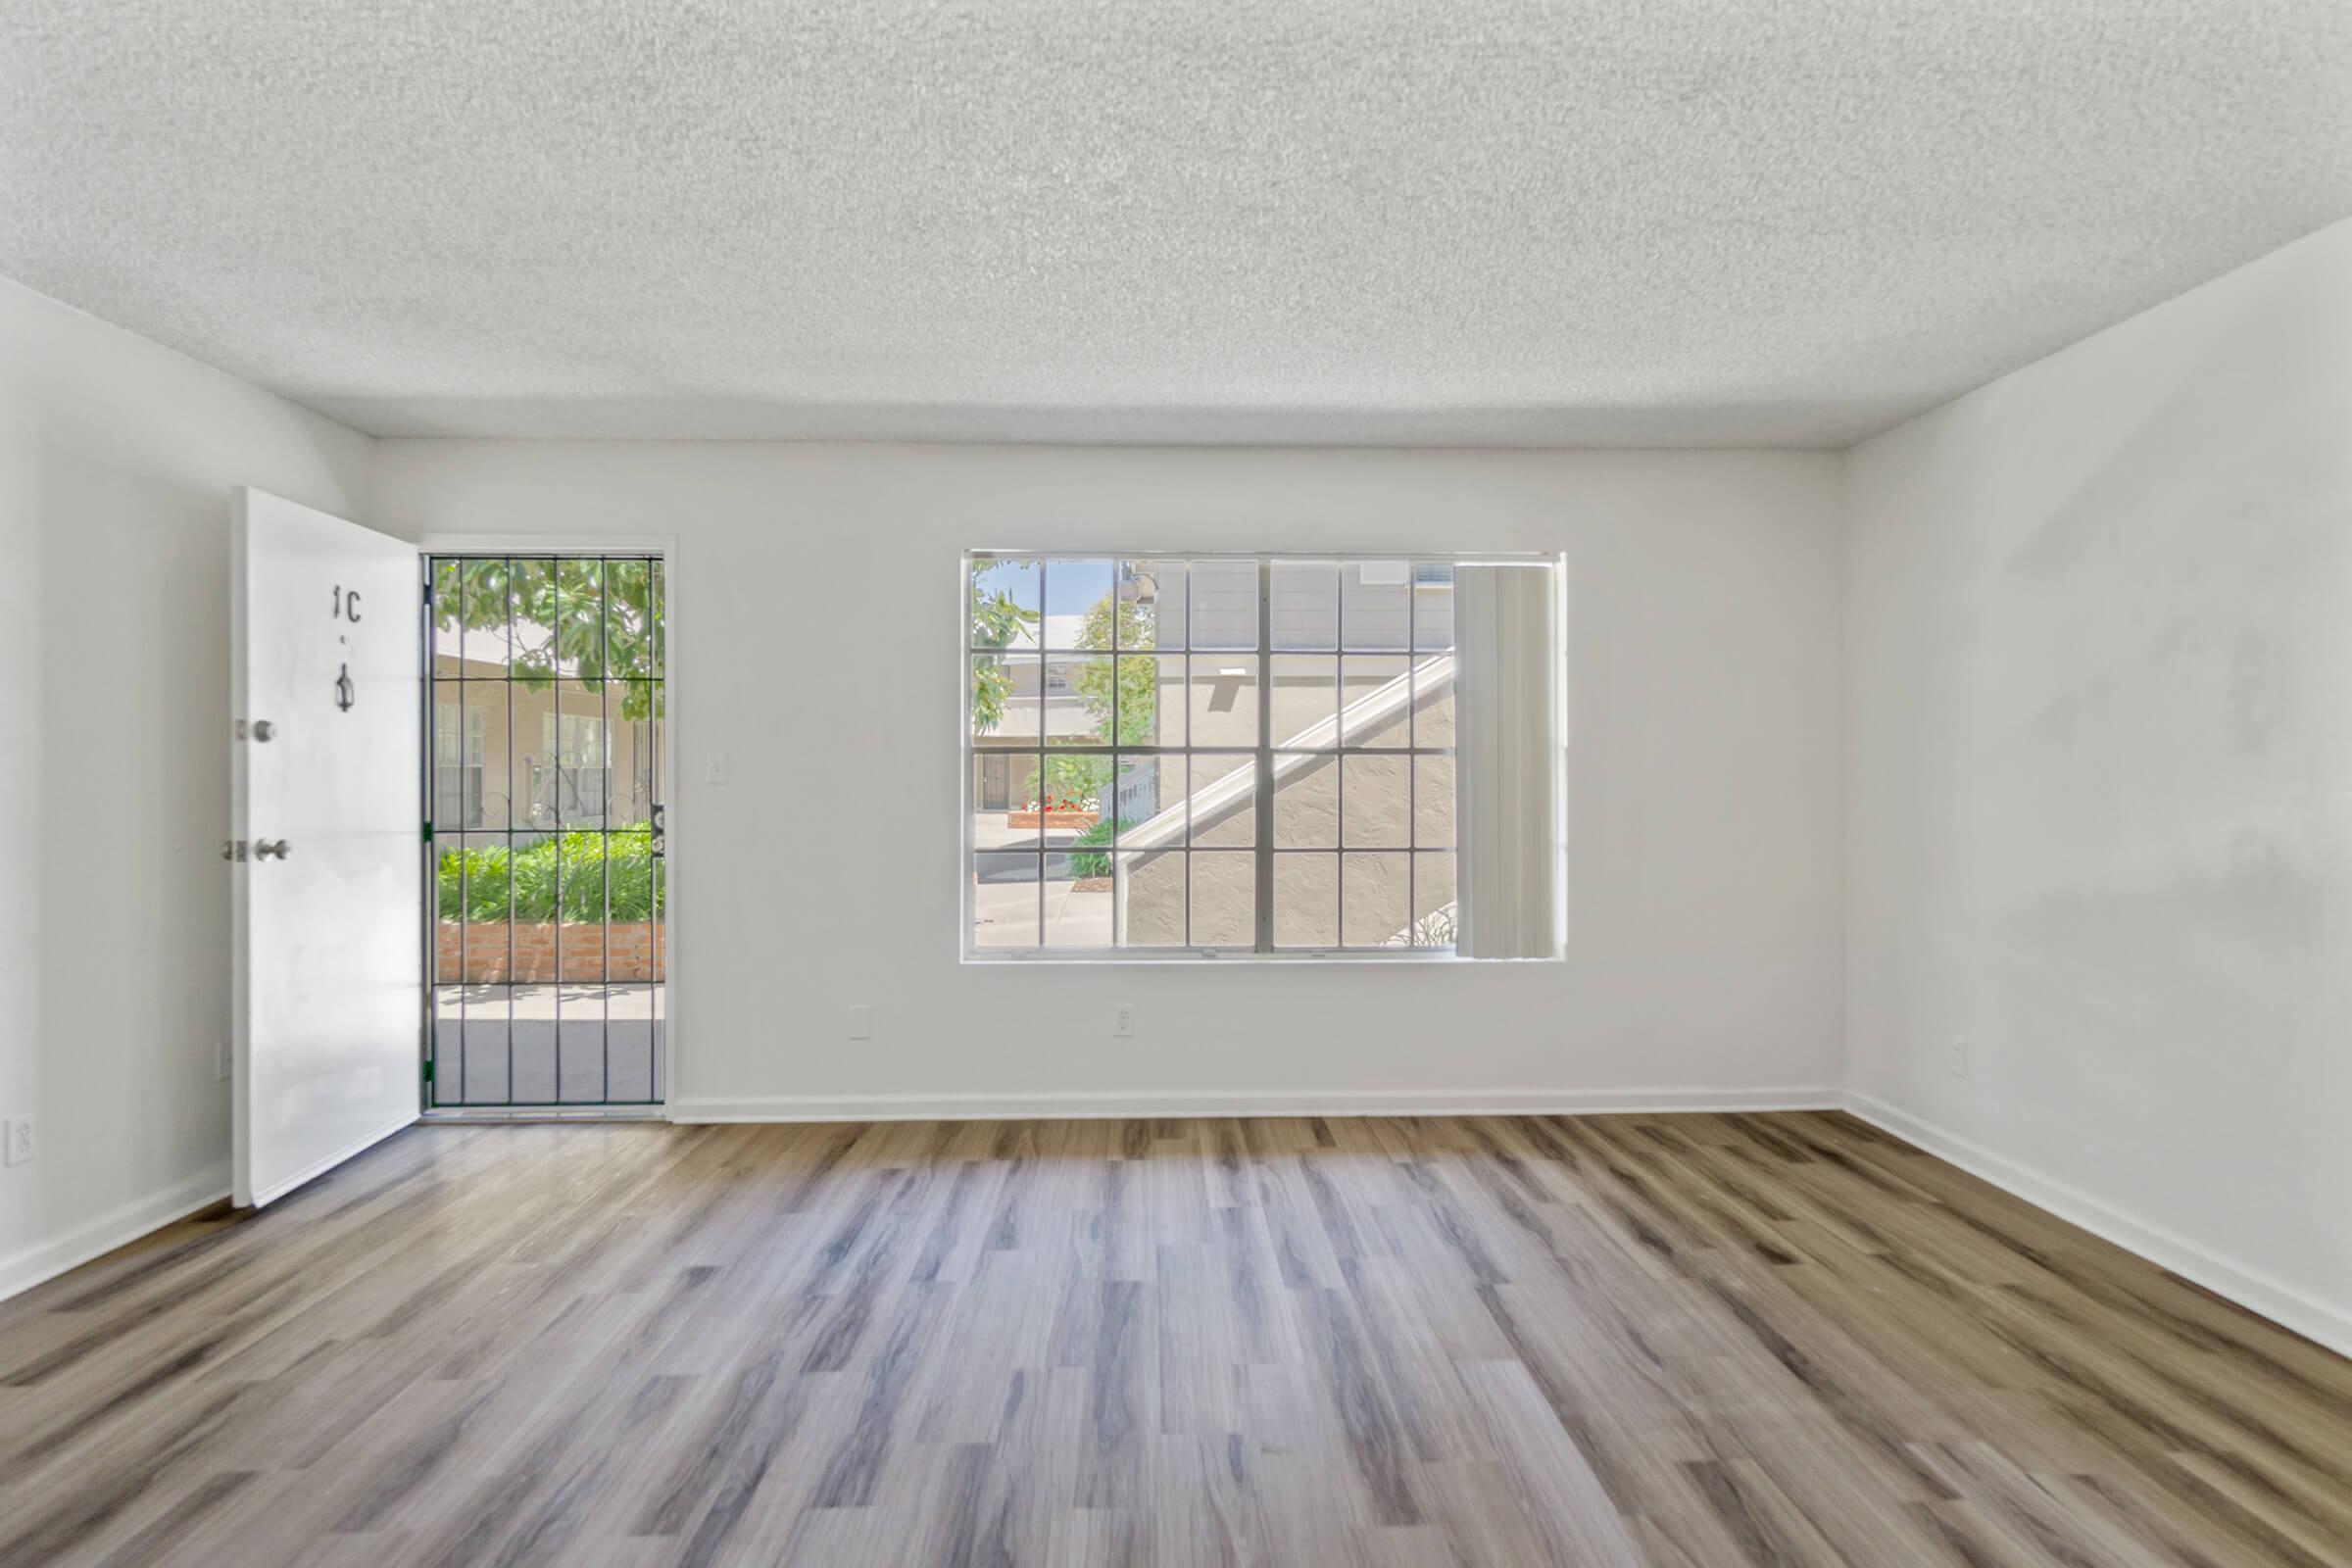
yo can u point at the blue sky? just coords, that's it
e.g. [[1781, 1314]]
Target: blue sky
[[1072, 587]]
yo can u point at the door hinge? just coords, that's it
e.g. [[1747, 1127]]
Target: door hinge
[[428, 1069], [429, 832]]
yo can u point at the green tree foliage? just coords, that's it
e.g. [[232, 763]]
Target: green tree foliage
[[593, 620], [1137, 680], [995, 622], [1112, 625], [1129, 721], [1134, 717]]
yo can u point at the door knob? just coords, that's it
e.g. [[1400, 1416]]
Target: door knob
[[271, 849]]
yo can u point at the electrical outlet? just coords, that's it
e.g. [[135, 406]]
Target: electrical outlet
[[715, 768], [19, 1140], [1122, 1021], [861, 1021], [1959, 1058]]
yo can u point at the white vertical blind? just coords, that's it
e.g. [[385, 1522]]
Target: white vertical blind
[[1507, 695]]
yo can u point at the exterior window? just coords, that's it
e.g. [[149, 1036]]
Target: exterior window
[[568, 776], [458, 757], [1219, 755]]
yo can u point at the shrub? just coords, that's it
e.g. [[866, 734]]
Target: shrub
[[1082, 865], [475, 884]]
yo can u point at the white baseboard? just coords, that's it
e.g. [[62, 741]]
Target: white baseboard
[[20, 1271], [2251, 1289], [1265, 1102]]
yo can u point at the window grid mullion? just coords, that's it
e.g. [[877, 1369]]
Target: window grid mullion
[[1262, 856]]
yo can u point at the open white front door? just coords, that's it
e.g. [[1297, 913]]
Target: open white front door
[[328, 908]]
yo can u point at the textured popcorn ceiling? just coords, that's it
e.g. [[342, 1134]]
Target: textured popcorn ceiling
[[1750, 222]]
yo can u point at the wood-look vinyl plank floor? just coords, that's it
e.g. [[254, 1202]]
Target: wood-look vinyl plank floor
[[1626, 1342]]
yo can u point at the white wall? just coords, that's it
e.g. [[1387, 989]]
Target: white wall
[[1705, 773], [116, 461], [2100, 731]]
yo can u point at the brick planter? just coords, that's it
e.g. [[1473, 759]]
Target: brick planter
[[478, 955], [1078, 822]]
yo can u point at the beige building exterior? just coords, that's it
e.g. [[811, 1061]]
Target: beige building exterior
[[560, 755]]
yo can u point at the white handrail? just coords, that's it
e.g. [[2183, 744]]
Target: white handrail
[[1157, 831]]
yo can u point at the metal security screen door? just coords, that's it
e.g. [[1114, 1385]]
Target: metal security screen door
[[546, 876]]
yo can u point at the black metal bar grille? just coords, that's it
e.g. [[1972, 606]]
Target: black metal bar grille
[[553, 1026]]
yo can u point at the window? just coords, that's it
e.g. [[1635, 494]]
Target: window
[[570, 773], [458, 757], [1218, 754]]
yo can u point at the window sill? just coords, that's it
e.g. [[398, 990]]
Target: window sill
[[1231, 959]]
